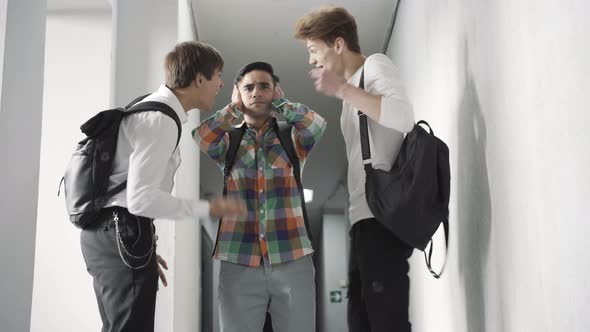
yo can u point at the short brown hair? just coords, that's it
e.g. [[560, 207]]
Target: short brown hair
[[188, 59], [328, 23]]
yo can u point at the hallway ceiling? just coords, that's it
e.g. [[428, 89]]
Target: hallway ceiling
[[58, 5], [262, 30]]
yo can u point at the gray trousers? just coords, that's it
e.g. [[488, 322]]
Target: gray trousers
[[286, 291], [126, 297]]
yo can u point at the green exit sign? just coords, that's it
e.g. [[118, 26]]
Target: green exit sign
[[335, 296]]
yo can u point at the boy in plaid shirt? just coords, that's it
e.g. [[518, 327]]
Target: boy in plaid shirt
[[265, 257]]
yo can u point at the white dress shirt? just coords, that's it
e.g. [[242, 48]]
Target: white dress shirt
[[385, 136], [146, 156]]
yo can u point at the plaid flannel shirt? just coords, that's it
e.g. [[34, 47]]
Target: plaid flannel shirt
[[274, 228]]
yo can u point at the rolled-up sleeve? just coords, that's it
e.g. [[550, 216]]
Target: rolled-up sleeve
[[212, 133], [382, 78], [308, 126]]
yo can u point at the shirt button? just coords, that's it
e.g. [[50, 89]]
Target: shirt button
[[261, 210], [261, 236], [260, 168], [261, 191]]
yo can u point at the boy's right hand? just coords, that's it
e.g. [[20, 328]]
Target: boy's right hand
[[236, 98], [223, 207]]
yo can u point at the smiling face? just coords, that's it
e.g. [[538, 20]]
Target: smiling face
[[256, 89], [324, 55]]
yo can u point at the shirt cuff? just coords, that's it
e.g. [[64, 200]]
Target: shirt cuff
[[234, 110], [201, 208], [279, 102]]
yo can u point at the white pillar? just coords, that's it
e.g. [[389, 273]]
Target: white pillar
[[143, 32], [187, 260], [23, 47], [77, 41], [3, 6]]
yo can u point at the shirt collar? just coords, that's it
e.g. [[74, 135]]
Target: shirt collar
[[356, 77], [165, 95], [271, 122]]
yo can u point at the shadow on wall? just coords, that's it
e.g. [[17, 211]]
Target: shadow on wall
[[474, 202]]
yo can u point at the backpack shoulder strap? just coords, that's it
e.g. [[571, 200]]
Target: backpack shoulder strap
[[364, 131], [284, 133], [428, 258], [235, 138], [134, 108], [157, 106], [136, 100]]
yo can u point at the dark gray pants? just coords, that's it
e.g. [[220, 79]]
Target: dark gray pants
[[126, 297]]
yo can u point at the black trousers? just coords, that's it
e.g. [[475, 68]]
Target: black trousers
[[126, 297], [379, 287]]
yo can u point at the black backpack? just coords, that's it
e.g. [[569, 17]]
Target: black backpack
[[87, 175], [412, 198], [283, 131]]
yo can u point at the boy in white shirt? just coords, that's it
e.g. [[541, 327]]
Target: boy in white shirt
[[378, 292], [119, 250]]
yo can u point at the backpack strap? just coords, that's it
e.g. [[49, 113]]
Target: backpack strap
[[156, 106], [428, 259], [284, 133], [364, 130], [135, 101], [235, 138], [134, 108]]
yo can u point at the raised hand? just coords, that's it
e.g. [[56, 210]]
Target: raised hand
[[327, 82], [236, 98]]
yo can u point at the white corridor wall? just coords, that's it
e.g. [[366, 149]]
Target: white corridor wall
[[23, 45], [3, 12], [77, 76], [504, 83]]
